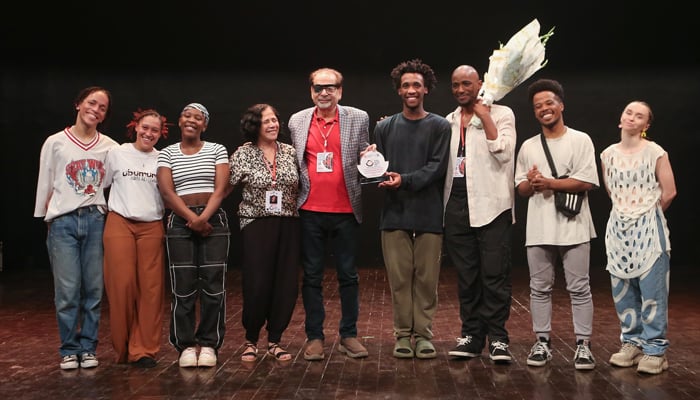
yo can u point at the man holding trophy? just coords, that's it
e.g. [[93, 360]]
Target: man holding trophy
[[328, 139]]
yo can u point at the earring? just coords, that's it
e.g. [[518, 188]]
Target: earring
[[644, 134]]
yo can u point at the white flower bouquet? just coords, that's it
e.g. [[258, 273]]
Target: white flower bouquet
[[512, 64]]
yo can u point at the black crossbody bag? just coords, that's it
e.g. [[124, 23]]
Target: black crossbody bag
[[566, 203]]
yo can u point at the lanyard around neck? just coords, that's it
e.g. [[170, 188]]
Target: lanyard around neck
[[324, 136], [271, 168]]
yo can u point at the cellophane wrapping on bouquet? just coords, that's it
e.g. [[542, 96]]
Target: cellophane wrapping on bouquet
[[512, 64]]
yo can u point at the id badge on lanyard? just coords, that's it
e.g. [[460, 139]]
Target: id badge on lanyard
[[324, 161], [458, 172], [273, 201]]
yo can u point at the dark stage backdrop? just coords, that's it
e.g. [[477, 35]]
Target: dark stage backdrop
[[604, 54], [593, 104]]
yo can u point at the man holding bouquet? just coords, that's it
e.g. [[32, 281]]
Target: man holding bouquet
[[479, 215]]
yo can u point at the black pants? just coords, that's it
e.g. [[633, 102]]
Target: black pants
[[197, 268], [482, 258], [270, 275]]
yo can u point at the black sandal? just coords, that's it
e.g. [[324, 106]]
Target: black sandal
[[279, 353], [250, 352]]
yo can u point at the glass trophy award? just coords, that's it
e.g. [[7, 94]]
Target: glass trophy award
[[372, 167]]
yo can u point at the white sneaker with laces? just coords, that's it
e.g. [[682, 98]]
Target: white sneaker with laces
[[88, 360], [69, 362]]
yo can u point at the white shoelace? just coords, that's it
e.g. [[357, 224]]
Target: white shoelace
[[464, 341], [540, 348], [499, 345], [583, 351]]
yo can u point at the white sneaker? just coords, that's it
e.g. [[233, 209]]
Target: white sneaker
[[69, 362], [207, 357], [88, 360], [188, 357]]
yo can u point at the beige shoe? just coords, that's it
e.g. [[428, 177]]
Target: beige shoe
[[403, 348], [424, 348], [207, 357], [313, 351], [628, 356], [352, 347], [652, 364], [188, 357]]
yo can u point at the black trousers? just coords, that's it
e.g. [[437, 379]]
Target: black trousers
[[197, 267], [270, 275], [482, 258]]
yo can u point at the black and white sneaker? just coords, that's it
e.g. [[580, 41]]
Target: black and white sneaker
[[583, 358], [88, 360], [70, 362], [498, 352], [540, 353], [466, 347]]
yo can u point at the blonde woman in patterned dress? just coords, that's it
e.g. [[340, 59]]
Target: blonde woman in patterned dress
[[639, 179]]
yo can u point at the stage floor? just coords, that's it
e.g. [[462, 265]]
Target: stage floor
[[29, 348]]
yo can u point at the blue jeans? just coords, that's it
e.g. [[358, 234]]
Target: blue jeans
[[642, 304], [74, 244], [341, 230], [197, 267]]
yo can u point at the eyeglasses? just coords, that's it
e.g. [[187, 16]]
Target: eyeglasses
[[330, 89]]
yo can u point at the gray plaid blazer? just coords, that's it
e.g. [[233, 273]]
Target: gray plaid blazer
[[354, 137]]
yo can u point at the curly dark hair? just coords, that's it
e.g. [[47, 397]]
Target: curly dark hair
[[414, 66], [251, 121], [545, 85], [139, 114]]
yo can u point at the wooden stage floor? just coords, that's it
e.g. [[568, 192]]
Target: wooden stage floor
[[29, 352]]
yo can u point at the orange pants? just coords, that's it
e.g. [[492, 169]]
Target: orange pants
[[134, 274]]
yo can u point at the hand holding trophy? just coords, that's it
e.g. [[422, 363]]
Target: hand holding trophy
[[372, 165]]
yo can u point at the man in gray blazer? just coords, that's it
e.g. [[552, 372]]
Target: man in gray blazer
[[328, 139]]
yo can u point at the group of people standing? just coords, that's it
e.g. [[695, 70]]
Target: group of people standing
[[451, 184]]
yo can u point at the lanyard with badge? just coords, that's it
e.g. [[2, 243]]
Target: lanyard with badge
[[324, 159], [273, 197]]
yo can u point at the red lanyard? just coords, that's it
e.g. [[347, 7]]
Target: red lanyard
[[273, 168], [463, 143], [328, 132]]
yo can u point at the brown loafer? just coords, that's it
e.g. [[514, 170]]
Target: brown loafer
[[313, 351], [352, 347]]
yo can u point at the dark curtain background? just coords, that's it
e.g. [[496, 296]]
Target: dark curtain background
[[149, 56]]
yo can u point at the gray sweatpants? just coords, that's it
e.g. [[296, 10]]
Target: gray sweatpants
[[575, 261]]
